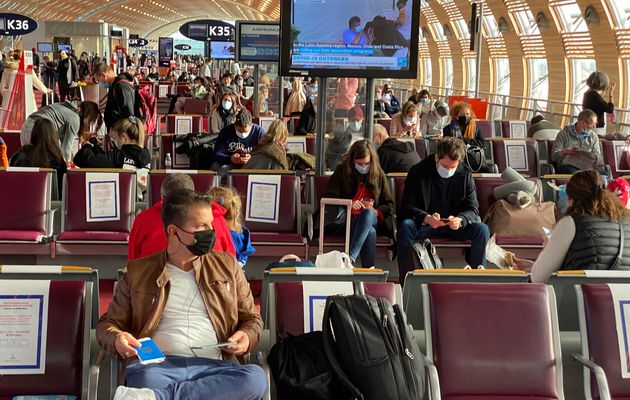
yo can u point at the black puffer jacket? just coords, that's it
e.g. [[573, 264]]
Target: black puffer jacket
[[596, 244], [397, 156], [131, 155]]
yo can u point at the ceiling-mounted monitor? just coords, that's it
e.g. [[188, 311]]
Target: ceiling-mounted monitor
[[257, 41], [359, 38], [222, 50]]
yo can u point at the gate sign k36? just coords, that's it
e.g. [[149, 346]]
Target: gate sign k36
[[16, 24]]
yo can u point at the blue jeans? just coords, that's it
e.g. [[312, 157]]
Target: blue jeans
[[363, 237], [192, 378], [409, 231]]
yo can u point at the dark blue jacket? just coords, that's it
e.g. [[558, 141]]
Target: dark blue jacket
[[228, 143]]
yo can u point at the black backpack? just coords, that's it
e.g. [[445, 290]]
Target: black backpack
[[372, 349], [423, 255]]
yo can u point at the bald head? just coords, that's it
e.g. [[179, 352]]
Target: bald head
[[380, 134]]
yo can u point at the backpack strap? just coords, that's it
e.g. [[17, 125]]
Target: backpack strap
[[328, 343]]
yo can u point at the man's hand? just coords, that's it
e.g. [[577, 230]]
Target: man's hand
[[568, 152], [123, 344], [454, 222], [242, 343], [245, 158], [434, 221], [236, 159], [523, 265]]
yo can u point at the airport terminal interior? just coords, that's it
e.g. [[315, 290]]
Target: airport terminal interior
[[314, 199]]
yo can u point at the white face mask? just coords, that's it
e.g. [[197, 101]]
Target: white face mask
[[227, 105], [242, 135], [445, 173], [410, 121], [362, 169]]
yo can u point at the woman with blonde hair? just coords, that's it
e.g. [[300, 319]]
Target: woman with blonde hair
[[599, 86], [271, 151], [230, 200], [406, 122], [597, 243], [263, 104]]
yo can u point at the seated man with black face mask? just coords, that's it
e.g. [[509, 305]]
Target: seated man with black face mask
[[439, 200], [196, 305]]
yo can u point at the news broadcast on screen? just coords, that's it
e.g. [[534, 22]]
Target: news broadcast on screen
[[368, 35]]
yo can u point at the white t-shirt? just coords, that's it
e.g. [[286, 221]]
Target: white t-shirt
[[185, 323]]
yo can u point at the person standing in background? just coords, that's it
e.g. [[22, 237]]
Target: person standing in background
[[599, 85], [346, 93], [67, 74]]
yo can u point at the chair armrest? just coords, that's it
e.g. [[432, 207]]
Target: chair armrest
[[600, 375], [434, 380], [260, 359], [51, 222], [95, 367]]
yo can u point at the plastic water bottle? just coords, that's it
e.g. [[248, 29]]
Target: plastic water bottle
[[168, 163]]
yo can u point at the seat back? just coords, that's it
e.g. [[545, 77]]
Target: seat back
[[485, 192], [195, 106], [278, 275], [289, 203], [563, 283], [485, 127], [505, 124], [421, 148], [599, 338], [397, 187], [412, 291], [493, 341], [510, 153], [612, 151], [12, 140], [203, 180], [74, 201], [319, 187], [25, 200], [67, 346], [287, 304]]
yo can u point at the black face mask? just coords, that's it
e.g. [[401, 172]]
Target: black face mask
[[463, 120], [204, 241]]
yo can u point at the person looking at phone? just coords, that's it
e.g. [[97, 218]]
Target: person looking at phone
[[236, 141], [359, 177], [577, 146], [439, 200], [192, 302], [595, 245]]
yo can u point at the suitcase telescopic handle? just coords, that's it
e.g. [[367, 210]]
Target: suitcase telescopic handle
[[334, 202]]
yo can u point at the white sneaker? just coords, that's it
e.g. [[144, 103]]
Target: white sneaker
[[126, 393]]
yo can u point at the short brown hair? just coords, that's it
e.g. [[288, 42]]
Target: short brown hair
[[177, 205], [408, 107], [452, 147], [598, 81], [586, 115]]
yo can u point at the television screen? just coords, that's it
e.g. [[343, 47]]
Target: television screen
[[258, 41], [65, 47], [44, 47], [116, 32], [165, 48], [361, 38], [222, 50], [198, 30]]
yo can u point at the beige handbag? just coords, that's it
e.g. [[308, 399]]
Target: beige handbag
[[504, 219]]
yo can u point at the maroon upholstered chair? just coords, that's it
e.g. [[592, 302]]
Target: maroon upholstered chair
[[609, 148], [500, 159], [286, 236], [332, 242], [12, 140], [493, 341], [203, 180], [485, 127], [421, 148], [600, 348], [505, 124], [83, 237], [196, 106], [286, 312], [67, 348], [386, 122], [26, 223]]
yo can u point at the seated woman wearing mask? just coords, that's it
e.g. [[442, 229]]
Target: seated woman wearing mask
[[463, 127], [263, 104], [360, 178], [406, 123], [224, 114]]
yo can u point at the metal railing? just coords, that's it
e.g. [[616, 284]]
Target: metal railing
[[502, 106]]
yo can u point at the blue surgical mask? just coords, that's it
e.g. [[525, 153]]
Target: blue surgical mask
[[104, 85], [357, 29], [362, 169], [425, 100], [445, 173], [355, 126]]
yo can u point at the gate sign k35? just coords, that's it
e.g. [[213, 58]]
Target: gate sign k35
[[140, 42], [16, 24]]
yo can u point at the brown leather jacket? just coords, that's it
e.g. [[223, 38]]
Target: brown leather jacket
[[142, 293]]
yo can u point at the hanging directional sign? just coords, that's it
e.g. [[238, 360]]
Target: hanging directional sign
[[182, 46], [16, 24], [140, 42]]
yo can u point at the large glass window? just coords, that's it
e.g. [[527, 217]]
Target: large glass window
[[621, 11], [439, 32], [625, 117], [581, 69], [539, 84], [447, 66], [471, 66], [492, 29], [526, 23], [428, 72], [462, 28], [502, 66], [571, 18]]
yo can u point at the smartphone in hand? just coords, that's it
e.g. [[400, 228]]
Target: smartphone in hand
[[149, 352]]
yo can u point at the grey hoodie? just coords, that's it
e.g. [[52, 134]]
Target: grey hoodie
[[568, 139]]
